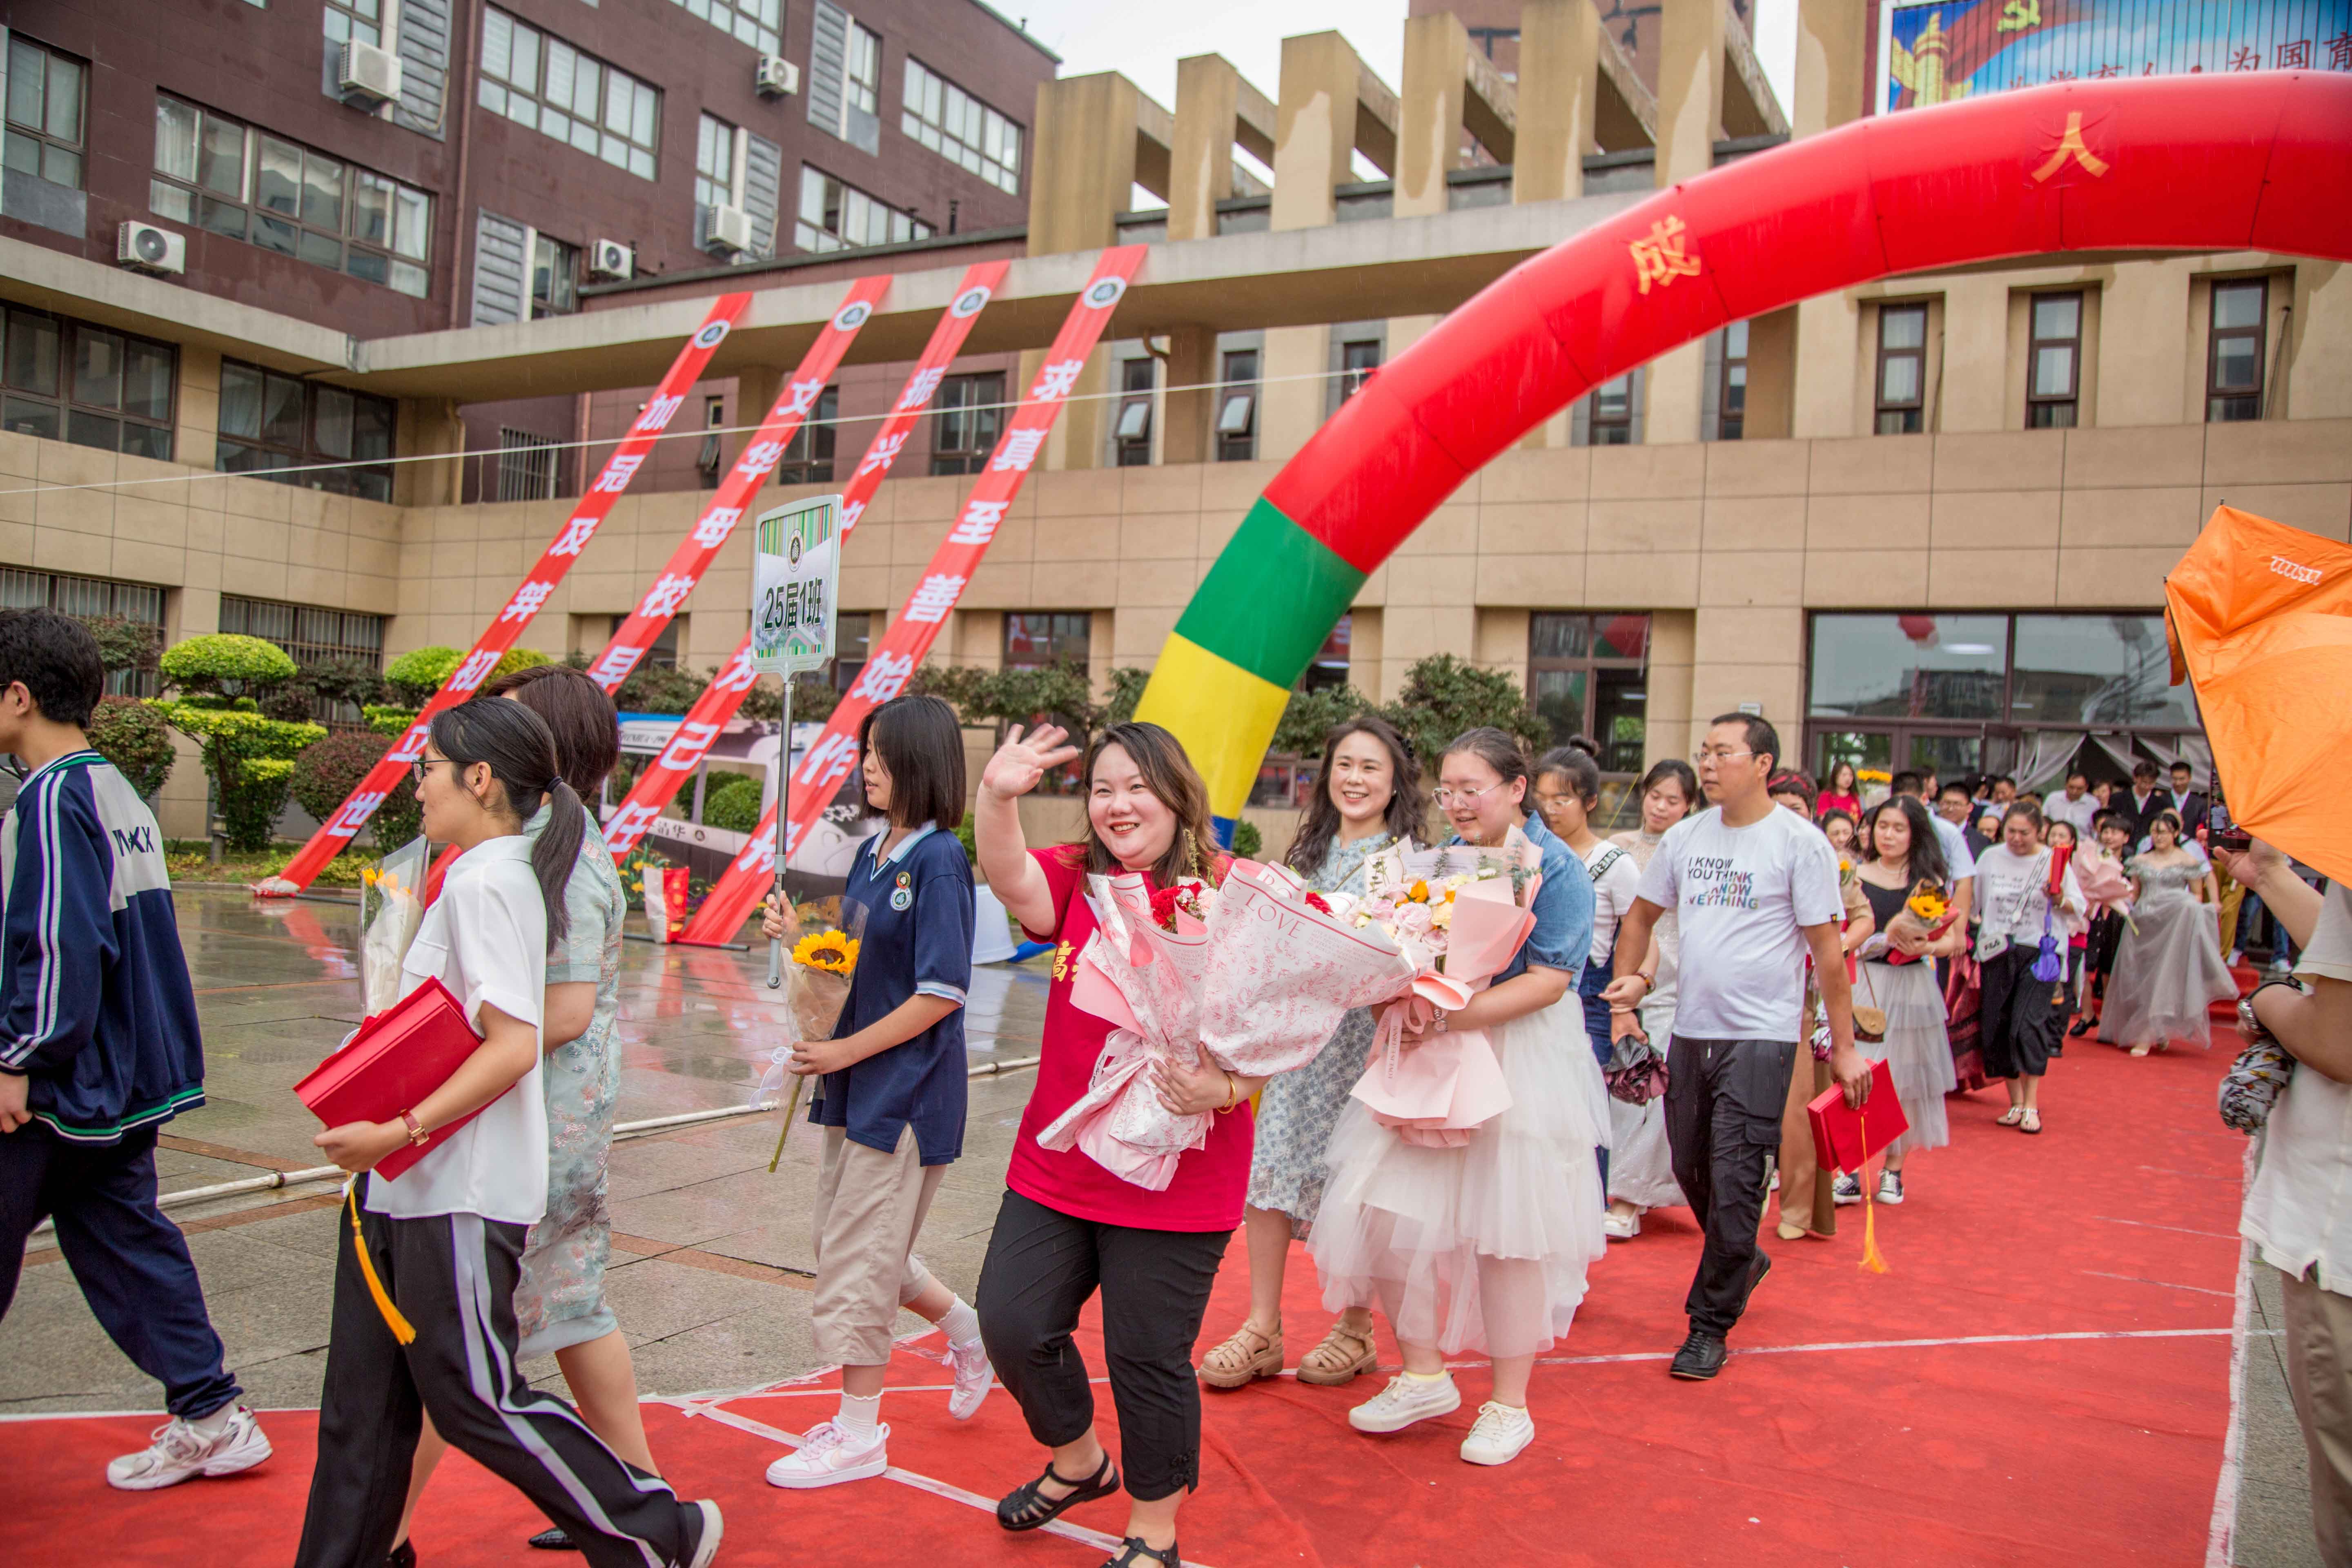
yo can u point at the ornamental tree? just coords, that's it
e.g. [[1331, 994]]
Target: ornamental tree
[[249, 755], [135, 738], [225, 663]]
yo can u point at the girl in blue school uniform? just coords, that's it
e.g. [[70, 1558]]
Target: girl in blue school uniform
[[890, 1091]]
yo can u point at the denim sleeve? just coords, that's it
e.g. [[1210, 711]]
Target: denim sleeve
[[1562, 938]]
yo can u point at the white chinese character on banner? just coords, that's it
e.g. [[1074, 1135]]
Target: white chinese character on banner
[[476, 669], [802, 396], [617, 473], [850, 512], [921, 386], [1020, 450], [716, 525], [828, 762], [737, 675], [411, 744], [1056, 379], [614, 668], [629, 825], [355, 812], [979, 524], [758, 459], [574, 537], [884, 676], [759, 856], [670, 591], [686, 746], [527, 601], [935, 598], [659, 413], [883, 453]]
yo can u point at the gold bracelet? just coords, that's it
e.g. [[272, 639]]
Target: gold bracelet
[[1233, 1093]]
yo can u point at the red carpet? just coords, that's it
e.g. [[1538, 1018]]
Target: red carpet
[[2117, 1226]]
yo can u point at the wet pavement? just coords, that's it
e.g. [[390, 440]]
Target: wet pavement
[[712, 1259]]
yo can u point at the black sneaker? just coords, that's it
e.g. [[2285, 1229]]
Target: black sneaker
[[1756, 1272], [552, 1539], [402, 1556], [1700, 1358]]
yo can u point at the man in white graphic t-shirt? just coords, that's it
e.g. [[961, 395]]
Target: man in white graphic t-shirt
[[1756, 889]]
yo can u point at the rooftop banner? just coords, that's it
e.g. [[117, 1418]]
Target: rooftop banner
[[894, 660], [658, 785], [736, 492], [557, 559]]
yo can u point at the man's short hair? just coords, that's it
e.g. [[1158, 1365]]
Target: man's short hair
[[1759, 736], [2078, 773], [1905, 783], [2143, 768], [1955, 787], [2001, 779], [57, 659], [2184, 768]]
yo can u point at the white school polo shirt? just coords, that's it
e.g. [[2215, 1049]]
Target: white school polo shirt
[[2299, 1211]]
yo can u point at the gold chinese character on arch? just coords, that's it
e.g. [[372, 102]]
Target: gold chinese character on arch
[[1660, 257], [2070, 145]]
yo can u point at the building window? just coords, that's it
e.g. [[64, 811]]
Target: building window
[[1039, 639], [960, 127], [758, 23], [1902, 369], [90, 597], [338, 441], [44, 135], [527, 465], [1237, 408], [714, 163], [1731, 391], [310, 635], [2055, 358], [1611, 422], [554, 278], [2234, 354], [229, 179], [862, 78], [542, 83], [967, 417], [1330, 666], [808, 456], [1357, 362], [1585, 678], [353, 22], [1133, 431], [711, 459], [67, 380], [851, 637], [837, 217]]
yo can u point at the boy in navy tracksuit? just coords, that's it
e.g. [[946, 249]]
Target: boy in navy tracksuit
[[99, 1048]]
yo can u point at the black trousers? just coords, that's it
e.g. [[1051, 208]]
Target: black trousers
[[2106, 936], [1724, 1100], [131, 1263], [1041, 1266], [2022, 1024], [452, 1277]]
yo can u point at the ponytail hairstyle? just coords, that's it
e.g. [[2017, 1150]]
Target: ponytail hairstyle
[[519, 749], [579, 714], [1403, 817]]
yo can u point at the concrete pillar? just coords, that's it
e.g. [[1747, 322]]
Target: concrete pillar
[[1429, 113], [1215, 109], [1830, 84], [1188, 419], [1315, 128], [1085, 168], [1771, 375], [757, 387], [1290, 398], [1559, 81], [1690, 120], [1077, 439], [199, 409], [429, 426]]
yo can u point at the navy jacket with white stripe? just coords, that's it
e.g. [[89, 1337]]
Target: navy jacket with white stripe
[[95, 1005]]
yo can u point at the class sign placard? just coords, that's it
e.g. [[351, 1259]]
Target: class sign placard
[[795, 573]]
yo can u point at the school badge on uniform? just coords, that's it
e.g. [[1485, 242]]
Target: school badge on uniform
[[902, 896]]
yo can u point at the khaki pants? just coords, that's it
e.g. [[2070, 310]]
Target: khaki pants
[[1798, 1166], [2318, 1344], [2232, 895], [869, 1208]]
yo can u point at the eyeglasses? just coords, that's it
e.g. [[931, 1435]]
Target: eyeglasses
[[417, 769], [1446, 798], [1703, 756]]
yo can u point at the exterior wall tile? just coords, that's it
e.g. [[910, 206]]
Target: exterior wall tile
[[2129, 456], [1857, 465], [1635, 473], [1542, 581], [2322, 508], [1991, 520], [1751, 577], [2000, 460], [1537, 474], [1728, 634], [2013, 578], [1757, 467], [1837, 579], [1528, 528], [1761, 523], [1451, 530], [1642, 582], [1159, 488], [1158, 537], [1065, 537], [1638, 525], [1886, 521], [2165, 516], [2278, 452], [2114, 577]]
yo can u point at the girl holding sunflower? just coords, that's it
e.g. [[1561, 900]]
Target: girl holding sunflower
[[891, 1089]]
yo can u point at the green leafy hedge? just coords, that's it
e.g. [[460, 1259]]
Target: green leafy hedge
[[135, 738], [249, 756], [732, 802], [225, 662], [420, 672]]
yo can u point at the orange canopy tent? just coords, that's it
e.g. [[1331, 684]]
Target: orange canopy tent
[[2259, 619]]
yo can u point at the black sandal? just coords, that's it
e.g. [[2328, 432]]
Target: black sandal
[[1132, 1551], [1027, 1508]]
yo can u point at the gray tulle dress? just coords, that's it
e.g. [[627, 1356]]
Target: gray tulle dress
[[2169, 970], [1297, 1110]]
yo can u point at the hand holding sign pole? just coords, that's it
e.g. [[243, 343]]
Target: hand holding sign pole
[[796, 569]]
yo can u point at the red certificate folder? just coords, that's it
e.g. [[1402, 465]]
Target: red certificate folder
[[398, 1057], [1843, 1137]]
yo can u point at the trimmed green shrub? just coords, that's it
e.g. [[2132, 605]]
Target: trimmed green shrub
[[1248, 842], [388, 719], [135, 738], [250, 757], [732, 803], [659, 689], [326, 774], [225, 663], [420, 672]]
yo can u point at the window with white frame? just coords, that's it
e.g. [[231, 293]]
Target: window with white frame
[[862, 75], [227, 178], [353, 22], [1237, 407], [715, 142], [539, 80], [960, 127], [838, 216], [554, 276], [44, 133], [758, 23]]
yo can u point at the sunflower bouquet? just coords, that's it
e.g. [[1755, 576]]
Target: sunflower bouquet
[[816, 989], [1925, 915]]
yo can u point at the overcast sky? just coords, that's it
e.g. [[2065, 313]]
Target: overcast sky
[[1090, 36]]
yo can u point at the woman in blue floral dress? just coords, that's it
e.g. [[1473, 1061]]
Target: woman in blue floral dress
[[1369, 797]]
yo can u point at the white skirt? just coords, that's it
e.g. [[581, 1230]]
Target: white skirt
[[1640, 1164], [1481, 1247], [1917, 1050]]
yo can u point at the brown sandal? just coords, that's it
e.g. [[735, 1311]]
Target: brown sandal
[[1242, 1360], [1342, 1355]]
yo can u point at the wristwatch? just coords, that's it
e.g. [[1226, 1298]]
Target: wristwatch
[[417, 1136], [1445, 1020], [2251, 1028]]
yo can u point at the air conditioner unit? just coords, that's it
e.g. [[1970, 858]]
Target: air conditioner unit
[[144, 247], [775, 76], [610, 258], [730, 230], [368, 75]]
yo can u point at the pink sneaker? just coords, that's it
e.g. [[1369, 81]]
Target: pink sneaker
[[828, 1455], [972, 1377]]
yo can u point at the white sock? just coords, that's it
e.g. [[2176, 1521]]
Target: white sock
[[1440, 1375], [961, 1324], [211, 1426], [859, 1417]]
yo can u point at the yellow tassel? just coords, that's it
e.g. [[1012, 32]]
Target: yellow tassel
[[1872, 1259], [400, 1329]]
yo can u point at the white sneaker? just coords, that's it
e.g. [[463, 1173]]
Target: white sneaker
[[828, 1455], [1621, 1227], [1405, 1401], [1890, 1187], [1499, 1435], [972, 1377], [180, 1453], [1846, 1189]]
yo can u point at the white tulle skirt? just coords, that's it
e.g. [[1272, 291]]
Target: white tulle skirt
[[1484, 1248], [1918, 1051]]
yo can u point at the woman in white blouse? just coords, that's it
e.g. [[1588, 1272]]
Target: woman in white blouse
[[424, 1316], [2022, 1015]]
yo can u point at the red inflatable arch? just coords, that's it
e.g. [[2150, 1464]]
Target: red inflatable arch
[[2255, 161]]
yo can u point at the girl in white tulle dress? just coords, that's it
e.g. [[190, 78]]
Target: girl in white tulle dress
[[1481, 1247]]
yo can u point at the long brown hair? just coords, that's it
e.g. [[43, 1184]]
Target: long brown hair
[[1170, 775], [1403, 817]]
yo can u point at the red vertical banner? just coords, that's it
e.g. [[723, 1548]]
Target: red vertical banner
[[892, 662], [658, 785], [737, 491], [508, 625]]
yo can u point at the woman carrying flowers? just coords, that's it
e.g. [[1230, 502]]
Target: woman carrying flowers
[[1371, 801], [1481, 1245]]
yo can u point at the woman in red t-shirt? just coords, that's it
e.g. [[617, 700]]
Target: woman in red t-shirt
[[1067, 1226]]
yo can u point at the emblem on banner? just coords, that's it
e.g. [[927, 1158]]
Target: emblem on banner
[[711, 335], [970, 302], [1104, 292], [852, 316]]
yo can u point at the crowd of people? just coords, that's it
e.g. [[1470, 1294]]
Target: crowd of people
[[1738, 944]]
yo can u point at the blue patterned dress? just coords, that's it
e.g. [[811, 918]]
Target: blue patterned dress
[[560, 1299], [1297, 1110]]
